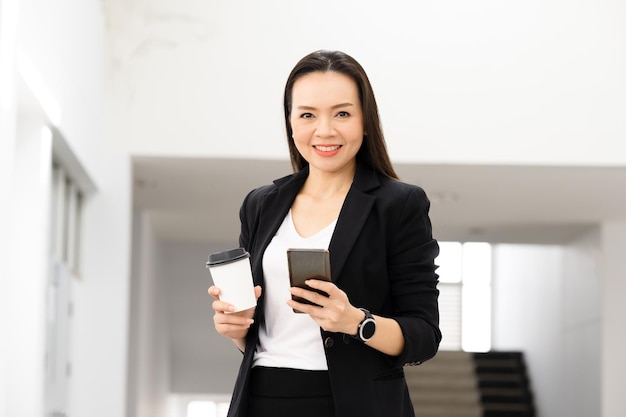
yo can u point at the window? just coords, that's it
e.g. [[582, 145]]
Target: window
[[199, 405], [465, 295], [66, 210], [206, 408], [66, 202]]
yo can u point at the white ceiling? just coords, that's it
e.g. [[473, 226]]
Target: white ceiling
[[182, 67], [194, 199]]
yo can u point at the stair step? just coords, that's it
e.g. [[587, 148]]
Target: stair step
[[503, 363], [499, 355], [442, 383], [449, 397], [447, 367], [517, 399], [460, 384], [502, 381], [443, 410], [508, 410]]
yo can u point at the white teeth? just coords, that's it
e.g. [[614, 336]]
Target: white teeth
[[327, 148]]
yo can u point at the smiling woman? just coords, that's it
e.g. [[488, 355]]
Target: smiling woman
[[380, 310]]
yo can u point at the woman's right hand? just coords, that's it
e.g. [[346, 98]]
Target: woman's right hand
[[235, 326]]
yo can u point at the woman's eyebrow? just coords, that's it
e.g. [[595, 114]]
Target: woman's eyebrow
[[347, 104]]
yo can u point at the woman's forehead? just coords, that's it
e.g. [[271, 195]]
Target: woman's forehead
[[324, 88]]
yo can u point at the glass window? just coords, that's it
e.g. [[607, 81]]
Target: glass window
[[66, 211], [465, 295], [450, 261], [476, 297], [204, 408], [65, 219]]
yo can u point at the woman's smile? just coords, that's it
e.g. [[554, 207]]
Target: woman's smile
[[327, 150]]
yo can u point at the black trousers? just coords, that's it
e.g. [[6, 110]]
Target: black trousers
[[285, 392]]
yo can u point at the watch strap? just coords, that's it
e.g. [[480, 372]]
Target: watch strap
[[368, 320]]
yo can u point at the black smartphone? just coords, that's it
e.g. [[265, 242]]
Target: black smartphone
[[307, 264]]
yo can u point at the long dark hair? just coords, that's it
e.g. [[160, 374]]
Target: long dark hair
[[373, 151]]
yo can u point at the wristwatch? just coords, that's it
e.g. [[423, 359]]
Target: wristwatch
[[367, 327]]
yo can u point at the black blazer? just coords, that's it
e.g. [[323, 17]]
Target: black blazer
[[382, 255]]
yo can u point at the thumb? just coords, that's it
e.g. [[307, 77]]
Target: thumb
[[257, 291]]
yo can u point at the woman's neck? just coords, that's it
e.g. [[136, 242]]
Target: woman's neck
[[324, 184]]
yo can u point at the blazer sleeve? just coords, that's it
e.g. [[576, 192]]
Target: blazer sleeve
[[413, 281]]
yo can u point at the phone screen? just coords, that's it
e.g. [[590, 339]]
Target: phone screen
[[308, 264]]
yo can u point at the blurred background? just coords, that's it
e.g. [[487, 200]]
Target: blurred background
[[131, 130]]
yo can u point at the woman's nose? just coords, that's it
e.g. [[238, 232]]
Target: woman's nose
[[325, 127]]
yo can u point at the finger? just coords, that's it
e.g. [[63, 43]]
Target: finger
[[311, 296], [320, 302], [214, 292], [303, 308], [221, 306], [232, 320], [257, 291], [301, 292], [318, 284], [232, 331]]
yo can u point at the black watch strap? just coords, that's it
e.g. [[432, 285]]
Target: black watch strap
[[366, 328]]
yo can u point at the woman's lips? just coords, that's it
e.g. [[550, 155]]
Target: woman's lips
[[326, 150]]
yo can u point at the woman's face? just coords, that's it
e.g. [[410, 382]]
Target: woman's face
[[327, 121]]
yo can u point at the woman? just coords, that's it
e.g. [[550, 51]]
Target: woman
[[344, 357]]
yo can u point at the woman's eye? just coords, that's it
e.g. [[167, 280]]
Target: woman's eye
[[306, 116], [343, 114]]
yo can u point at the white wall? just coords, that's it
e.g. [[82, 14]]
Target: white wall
[[527, 316], [149, 344], [27, 271], [581, 352], [8, 116], [613, 311], [485, 81], [201, 360], [547, 305], [63, 44]]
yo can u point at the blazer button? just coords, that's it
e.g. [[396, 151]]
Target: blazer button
[[329, 342]]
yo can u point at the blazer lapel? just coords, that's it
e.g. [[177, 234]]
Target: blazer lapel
[[356, 208], [275, 206]]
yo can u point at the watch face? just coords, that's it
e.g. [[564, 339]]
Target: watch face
[[368, 329]]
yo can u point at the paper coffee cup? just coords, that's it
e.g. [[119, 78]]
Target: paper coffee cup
[[231, 273]]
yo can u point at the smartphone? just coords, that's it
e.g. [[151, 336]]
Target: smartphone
[[307, 264]]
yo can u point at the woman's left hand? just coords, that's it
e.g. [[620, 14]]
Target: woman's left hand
[[335, 313]]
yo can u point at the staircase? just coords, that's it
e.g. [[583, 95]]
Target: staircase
[[503, 383], [445, 386], [461, 384]]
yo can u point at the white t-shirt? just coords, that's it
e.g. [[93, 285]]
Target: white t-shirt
[[288, 339]]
